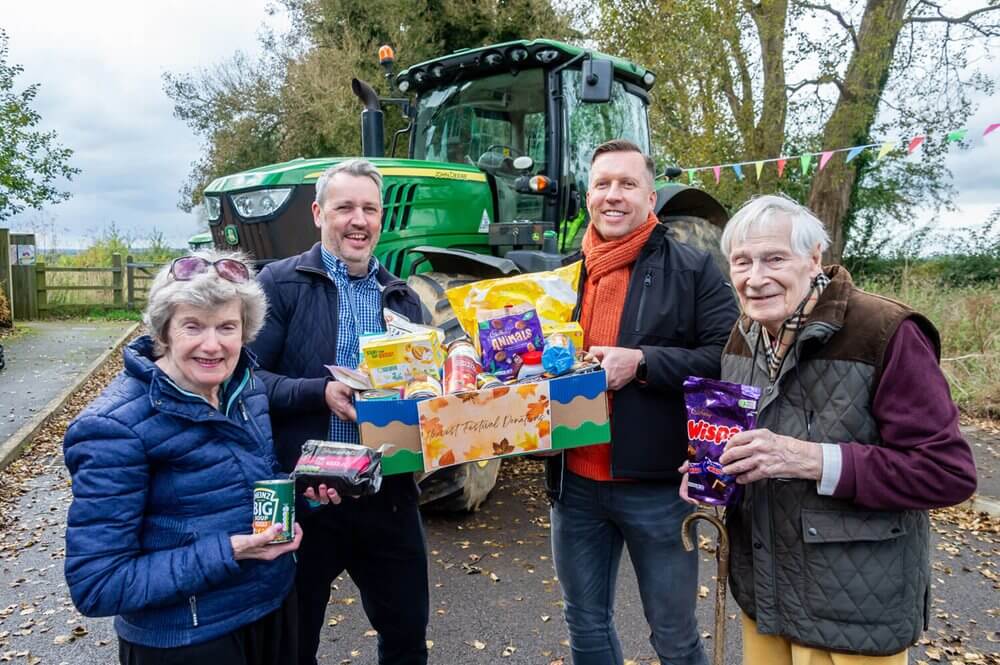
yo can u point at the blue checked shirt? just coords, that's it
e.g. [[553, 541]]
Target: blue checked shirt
[[359, 303]]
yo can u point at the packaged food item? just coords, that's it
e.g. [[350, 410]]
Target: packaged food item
[[274, 503], [487, 381], [461, 367], [351, 469], [572, 329], [423, 387], [356, 379], [505, 335], [394, 360], [552, 293], [531, 366], [716, 410], [380, 394], [559, 354]]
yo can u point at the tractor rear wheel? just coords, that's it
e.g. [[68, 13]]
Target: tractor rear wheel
[[700, 234], [466, 486]]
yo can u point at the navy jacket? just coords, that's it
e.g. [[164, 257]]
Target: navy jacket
[[679, 310], [161, 480], [299, 338]]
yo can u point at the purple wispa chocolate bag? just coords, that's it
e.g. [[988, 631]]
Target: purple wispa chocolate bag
[[716, 410]]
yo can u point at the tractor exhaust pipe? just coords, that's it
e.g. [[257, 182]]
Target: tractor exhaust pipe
[[372, 123]]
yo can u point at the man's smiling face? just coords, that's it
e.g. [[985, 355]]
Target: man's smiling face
[[620, 195], [350, 219]]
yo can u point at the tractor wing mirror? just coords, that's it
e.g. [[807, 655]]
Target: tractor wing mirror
[[598, 74]]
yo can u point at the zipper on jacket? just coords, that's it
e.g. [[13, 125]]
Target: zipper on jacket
[[243, 412], [193, 602], [647, 281]]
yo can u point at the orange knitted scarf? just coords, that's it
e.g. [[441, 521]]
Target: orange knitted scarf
[[609, 269]]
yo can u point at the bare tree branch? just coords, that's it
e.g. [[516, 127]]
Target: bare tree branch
[[822, 80], [966, 19], [840, 19]]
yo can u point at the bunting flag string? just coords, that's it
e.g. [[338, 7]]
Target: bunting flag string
[[806, 159]]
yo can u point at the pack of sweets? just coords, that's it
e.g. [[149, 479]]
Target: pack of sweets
[[505, 335], [392, 361], [571, 329], [716, 410], [349, 468]]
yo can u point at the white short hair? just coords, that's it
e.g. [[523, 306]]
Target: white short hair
[[207, 289], [761, 212]]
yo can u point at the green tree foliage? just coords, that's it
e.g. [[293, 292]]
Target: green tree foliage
[[296, 101], [742, 80], [31, 162]]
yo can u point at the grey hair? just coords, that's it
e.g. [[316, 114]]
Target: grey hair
[[359, 168], [761, 212], [205, 290]]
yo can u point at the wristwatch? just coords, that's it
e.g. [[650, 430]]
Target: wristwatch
[[640, 369]]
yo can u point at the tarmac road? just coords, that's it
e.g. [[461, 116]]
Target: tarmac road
[[493, 588]]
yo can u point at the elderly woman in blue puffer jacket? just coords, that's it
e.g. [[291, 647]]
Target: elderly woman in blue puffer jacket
[[163, 466]]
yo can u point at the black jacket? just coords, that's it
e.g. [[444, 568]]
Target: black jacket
[[300, 337], [679, 310]]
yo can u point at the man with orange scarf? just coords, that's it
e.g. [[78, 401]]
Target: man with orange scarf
[[653, 311]]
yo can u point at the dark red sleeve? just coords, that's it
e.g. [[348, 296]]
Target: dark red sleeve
[[923, 462]]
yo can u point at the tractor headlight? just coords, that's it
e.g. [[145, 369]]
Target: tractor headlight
[[518, 55], [213, 207], [547, 56], [403, 85], [260, 202], [649, 78]]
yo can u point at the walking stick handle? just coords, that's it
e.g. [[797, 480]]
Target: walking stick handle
[[722, 558]]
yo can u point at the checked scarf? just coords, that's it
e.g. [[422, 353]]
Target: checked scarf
[[777, 347]]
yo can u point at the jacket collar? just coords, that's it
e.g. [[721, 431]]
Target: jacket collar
[[311, 261]]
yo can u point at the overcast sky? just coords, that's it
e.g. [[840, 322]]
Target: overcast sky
[[100, 65]]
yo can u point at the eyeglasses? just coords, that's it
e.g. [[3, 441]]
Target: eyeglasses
[[185, 268]]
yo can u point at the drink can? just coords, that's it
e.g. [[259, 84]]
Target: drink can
[[422, 388], [461, 367], [484, 381], [274, 503]]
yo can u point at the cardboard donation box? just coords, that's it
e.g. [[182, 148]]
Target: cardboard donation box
[[423, 435]]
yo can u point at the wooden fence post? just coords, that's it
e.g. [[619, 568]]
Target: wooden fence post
[[118, 280], [42, 295], [130, 281], [6, 283]]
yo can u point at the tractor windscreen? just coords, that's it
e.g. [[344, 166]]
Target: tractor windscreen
[[487, 123], [590, 125]]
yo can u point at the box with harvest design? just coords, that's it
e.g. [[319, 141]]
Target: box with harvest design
[[564, 412]]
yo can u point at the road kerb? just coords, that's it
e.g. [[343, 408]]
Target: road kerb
[[984, 504], [12, 447]]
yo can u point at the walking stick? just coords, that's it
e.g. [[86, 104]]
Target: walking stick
[[722, 557]]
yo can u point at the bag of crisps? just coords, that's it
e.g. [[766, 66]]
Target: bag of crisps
[[552, 293]]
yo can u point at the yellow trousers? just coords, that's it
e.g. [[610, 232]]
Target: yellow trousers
[[773, 650]]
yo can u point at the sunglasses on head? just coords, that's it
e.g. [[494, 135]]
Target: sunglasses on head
[[186, 267]]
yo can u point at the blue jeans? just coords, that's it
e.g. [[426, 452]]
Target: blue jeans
[[591, 522]]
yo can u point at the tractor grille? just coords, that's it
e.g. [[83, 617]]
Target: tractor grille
[[397, 202]]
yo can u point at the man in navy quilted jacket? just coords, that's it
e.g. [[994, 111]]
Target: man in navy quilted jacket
[[321, 301]]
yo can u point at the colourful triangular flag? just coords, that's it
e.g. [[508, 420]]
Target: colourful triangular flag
[[806, 161], [824, 158], [885, 149], [738, 169], [760, 167], [957, 135], [914, 144], [717, 170], [854, 152], [781, 166], [690, 176], [991, 128]]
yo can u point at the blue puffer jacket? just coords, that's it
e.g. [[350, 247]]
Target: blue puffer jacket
[[161, 480]]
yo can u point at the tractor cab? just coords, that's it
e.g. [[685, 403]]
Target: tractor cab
[[542, 100]]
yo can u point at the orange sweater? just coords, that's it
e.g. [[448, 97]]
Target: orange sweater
[[609, 269]]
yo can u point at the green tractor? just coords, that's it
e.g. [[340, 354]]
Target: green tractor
[[499, 141]]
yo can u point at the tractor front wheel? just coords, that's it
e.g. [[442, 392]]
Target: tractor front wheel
[[466, 486], [700, 234]]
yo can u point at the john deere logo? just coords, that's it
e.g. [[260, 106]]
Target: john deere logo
[[231, 234]]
